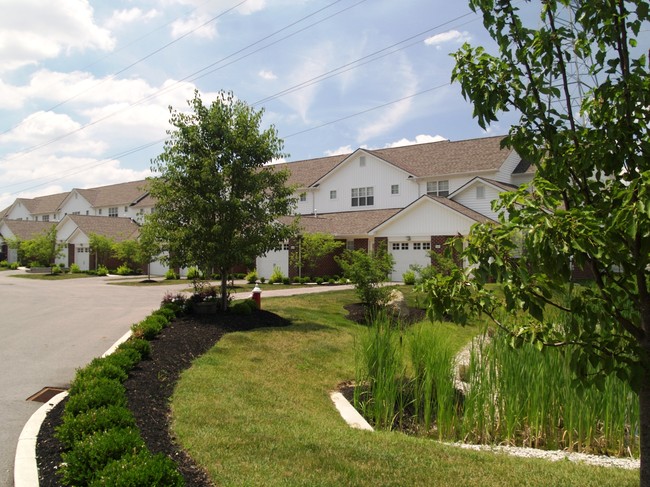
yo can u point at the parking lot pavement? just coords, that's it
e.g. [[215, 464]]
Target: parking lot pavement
[[51, 328]]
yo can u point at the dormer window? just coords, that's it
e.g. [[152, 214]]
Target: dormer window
[[438, 188], [333, 194], [394, 189]]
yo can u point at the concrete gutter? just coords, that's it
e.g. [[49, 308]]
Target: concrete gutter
[[348, 413]]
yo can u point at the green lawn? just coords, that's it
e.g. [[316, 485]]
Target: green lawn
[[255, 410], [51, 277]]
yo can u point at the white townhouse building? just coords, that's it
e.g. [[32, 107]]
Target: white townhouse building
[[413, 198]]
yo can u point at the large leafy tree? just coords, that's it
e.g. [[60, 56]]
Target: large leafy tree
[[217, 202], [312, 247], [582, 90]]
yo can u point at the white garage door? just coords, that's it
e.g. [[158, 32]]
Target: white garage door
[[406, 253]]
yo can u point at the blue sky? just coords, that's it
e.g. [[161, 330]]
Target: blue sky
[[85, 85]]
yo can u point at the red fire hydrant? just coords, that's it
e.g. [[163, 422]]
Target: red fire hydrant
[[256, 294]]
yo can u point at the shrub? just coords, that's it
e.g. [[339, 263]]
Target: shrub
[[143, 347], [89, 393], [171, 275], [149, 327], [252, 277], [141, 468], [276, 275], [331, 282], [368, 272], [4, 263], [297, 279], [13, 266], [409, 278], [75, 269], [165, 312], [89, 456], [319, 280], [56, 269], [242, 308], [101, 367], [124, 270], [76, 428], [262, 280], [102, 271], [194, 273], [305, 279]]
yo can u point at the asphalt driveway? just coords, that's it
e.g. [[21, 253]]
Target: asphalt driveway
[[48, 329]]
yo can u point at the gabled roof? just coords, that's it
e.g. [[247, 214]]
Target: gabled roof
[[121, 194], [433, 159], [305, 173], [446, 202], [498, 185], [343, 223], [27, 229], [41, 205], [115, 228], [446, 157]]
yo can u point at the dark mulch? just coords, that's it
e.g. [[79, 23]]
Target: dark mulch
[[151, 384]]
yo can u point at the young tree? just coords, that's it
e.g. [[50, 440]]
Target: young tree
[[312, 247], [102, 247], [588, 205], [217, 203], [368, 271], [42, 249]]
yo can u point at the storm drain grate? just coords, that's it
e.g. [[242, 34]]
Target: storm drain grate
[[45, 394]]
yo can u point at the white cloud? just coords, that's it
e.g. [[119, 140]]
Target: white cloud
[[449, 36], [419, 139], [267, 75], [251, 6], [32, 30], [344, 149], [199, 25], [122, 17]]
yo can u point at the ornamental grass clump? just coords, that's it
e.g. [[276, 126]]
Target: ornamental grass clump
[[521, 396]]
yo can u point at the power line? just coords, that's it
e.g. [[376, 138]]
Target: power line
[[135, 63], [191, 77]]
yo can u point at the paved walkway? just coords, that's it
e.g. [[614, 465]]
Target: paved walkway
[[51, 328]]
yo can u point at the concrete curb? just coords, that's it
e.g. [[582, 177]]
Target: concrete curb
[[25, 465], [348, 413]]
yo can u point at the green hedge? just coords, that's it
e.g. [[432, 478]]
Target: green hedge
[[103, 445]]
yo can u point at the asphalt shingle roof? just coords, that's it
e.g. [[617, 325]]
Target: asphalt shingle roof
[[115, 228], [27, 229], [343, 223], [121, 194]]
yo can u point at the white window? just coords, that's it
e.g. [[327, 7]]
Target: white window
[[87, 212], [362, 161], [285, 246], [126, 209], [405, 245], [395, 245], [100, 211], [36, 218], [46, 218], [79, 213], [480, 192], [112, 211], [333, 194], [394, 189], [417, 246], [349, 244], [303, 196], [363, 196], [438, 188], [426, 245]]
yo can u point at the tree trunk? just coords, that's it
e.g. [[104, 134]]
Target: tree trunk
[[224, 289], [644, 414]]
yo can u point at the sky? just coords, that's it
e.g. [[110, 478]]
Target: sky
[[86, 85]]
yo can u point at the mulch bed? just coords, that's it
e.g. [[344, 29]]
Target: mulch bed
[[151, 384]]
